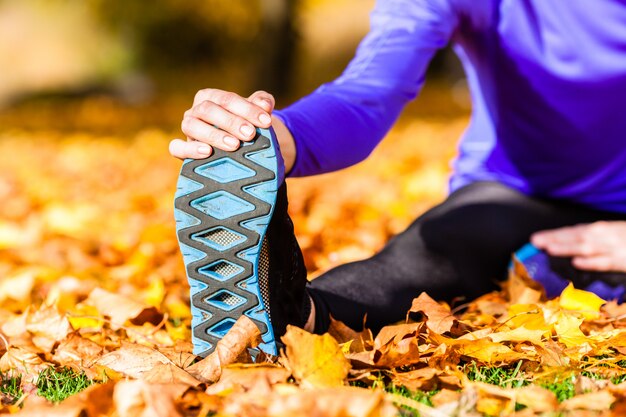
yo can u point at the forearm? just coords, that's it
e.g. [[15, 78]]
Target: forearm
[[286, 142], [328, 133]]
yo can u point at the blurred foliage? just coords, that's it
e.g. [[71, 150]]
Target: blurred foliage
[[183, 33], [201, 35]]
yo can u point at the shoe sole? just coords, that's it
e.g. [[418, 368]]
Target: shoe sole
[[223, 205]]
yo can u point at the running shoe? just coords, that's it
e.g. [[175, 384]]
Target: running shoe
[[555, 273], [238, 244]]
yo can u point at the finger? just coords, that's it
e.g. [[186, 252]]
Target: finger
[[571, 249], [556, 236], [593, 263], [264, 100], [236, 105], [200, 131], [189, 149], [217, 116]]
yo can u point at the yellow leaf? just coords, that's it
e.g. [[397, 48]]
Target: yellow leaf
[[314, 360], [83, 316], [178, 332], [529, 316], [153, 295], [176, 308], [482, 349], [519, 334], [567, 328], [587, 303]]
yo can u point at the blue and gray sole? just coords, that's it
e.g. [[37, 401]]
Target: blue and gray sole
[[223, 206]]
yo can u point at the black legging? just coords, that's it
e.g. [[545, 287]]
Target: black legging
[[458, 249]]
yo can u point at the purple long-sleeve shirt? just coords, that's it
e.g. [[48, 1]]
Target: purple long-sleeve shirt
[[548, 86]]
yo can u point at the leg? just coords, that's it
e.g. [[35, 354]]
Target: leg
[[460, 248]]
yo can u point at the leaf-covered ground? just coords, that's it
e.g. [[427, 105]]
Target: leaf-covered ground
[[94, 316]]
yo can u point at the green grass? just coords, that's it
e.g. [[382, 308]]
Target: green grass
[[57, 384], [10, 387], [563, 385], [423, 397], [502, 377]]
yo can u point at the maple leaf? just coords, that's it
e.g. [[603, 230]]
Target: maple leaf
[[314, 360], [567, 328], [439, 318], [77, 351], [587, 303], [357, 341]]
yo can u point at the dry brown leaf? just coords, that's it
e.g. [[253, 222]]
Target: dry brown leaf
[[142, 399], [77, 351], [359, 341], [167, 373], [22, 361], [233, 347], [445, 396], [536, 398], [48, 327], [520, 288], [314, 360], [427, 379], [98, 399], [121, 309], [288, 401], [439, 317], [252, 377], [397, 345], [133, 360], [597, 401], [35, 406], [180, 354]]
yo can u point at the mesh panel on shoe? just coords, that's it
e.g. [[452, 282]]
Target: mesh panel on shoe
[[225, 269], [226, 298], [221, 236], [264, 268]]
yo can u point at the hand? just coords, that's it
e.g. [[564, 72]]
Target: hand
[[221, 119], [599, 246]]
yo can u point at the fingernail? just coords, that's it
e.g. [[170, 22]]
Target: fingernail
[[205, 150], [264, 103], [246, 130], [230, 141], [265, 119]]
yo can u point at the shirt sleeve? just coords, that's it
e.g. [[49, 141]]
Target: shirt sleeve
[[340, 123]]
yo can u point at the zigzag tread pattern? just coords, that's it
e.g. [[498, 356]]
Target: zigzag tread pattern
[[252, 304]]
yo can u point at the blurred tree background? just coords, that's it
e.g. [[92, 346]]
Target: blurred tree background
[[102, 54], [92, 91]]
